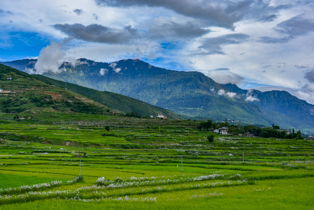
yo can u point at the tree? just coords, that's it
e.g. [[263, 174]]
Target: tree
[[205, 125], [107, 127], [211, 138]]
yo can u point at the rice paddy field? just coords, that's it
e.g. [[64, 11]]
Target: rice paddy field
[[148, 164]]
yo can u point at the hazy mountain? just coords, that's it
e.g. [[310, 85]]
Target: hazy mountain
[[189, 94], [278, 101]]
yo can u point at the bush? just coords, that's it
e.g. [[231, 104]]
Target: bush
[[211, 138], [107, 127]]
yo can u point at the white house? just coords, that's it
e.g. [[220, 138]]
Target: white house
[[310, 138], [216, 131], [223, 130]]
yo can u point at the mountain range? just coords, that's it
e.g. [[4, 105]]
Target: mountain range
[[191, 95]]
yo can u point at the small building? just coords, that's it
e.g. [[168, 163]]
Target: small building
[[9, 78], [216, 131], [1, 90], [310, 138], [161, 116], [223, 130]]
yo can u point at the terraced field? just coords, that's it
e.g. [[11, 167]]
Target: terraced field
[[149, 164]]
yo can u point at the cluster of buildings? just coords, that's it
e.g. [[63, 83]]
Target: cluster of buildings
[[222, 130]]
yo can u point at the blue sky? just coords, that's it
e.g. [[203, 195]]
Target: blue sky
[[22, 45], [263, 44]]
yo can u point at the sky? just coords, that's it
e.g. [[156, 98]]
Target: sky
[[260, 44]]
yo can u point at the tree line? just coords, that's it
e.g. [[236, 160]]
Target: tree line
[[264, 132]]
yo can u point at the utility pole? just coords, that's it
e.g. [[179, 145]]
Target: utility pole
[[228, 152], [80, 169]]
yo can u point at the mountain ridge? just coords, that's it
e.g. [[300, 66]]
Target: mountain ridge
[[189, 94]]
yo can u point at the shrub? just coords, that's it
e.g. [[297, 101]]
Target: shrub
[[107, 127], [210, 138]]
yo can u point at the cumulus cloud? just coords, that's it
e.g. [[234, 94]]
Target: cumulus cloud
[[224, 77], [98, 33], [310, 76], [102, 71], [51, 57], [214, 45]]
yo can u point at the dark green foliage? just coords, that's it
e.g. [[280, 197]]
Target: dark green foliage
[[275, 126], [205, 125], [211, 138], [270, 132], [107, 127]]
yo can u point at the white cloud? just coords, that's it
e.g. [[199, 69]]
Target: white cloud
[[51, 57], [251, 98], [231, 94], [113, 66], [102, 71], [221, 92]]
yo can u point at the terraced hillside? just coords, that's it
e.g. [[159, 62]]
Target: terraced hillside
[[149, 163], [26, 94]]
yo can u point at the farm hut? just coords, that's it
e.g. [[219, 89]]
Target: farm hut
[[310, 138], [223, 130]]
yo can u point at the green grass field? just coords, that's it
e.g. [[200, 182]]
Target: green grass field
[[148, 164]]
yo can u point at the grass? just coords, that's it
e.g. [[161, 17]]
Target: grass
[[145, 154], [12, 180]]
